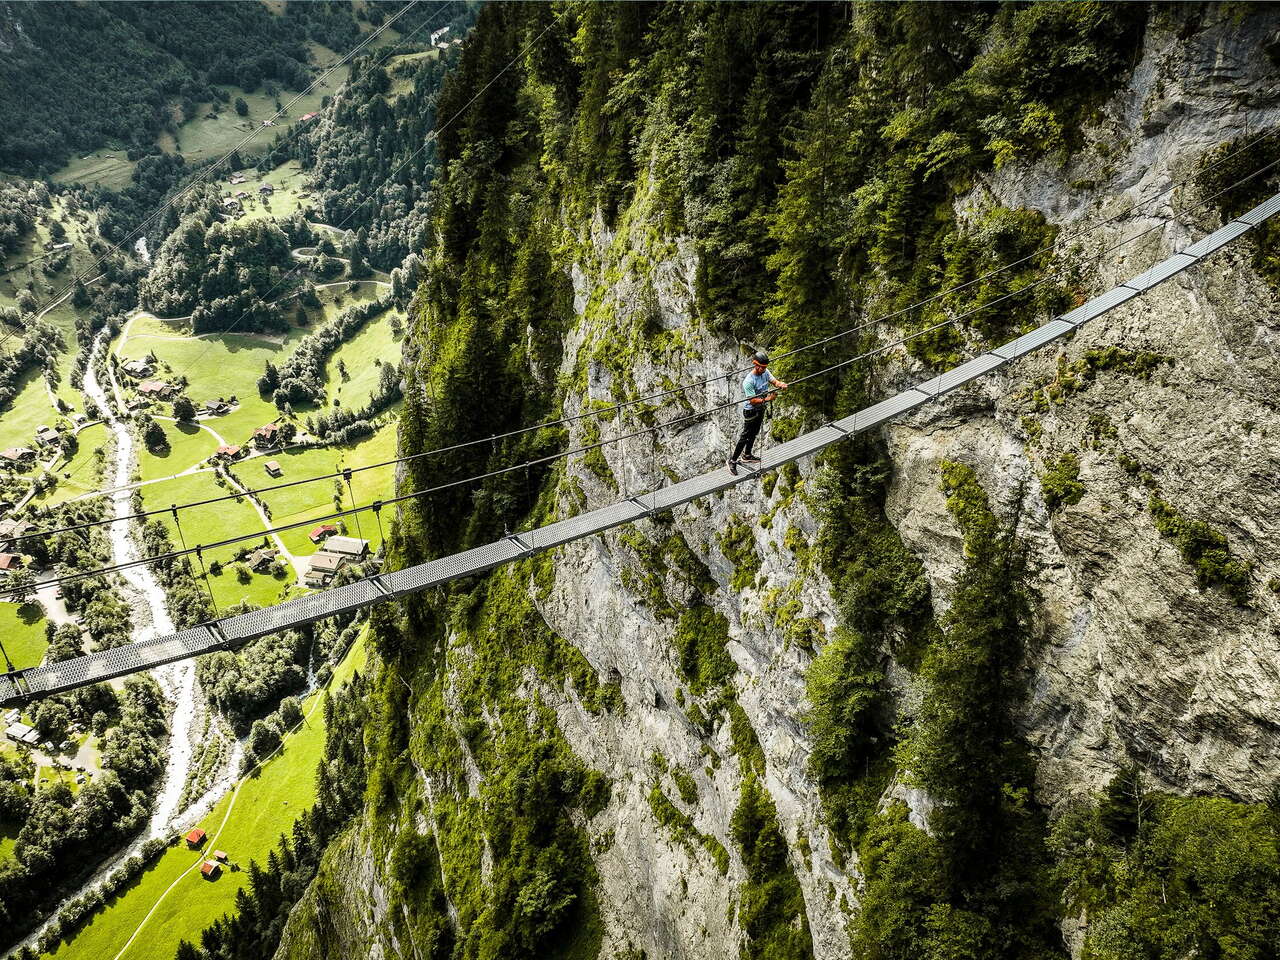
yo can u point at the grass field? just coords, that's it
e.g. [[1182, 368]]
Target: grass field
[[209, 524], [215, 367], [83, 472], [372, 341], [22, 628], [263, 807], [289, 183], [310, 500], [29, 409]]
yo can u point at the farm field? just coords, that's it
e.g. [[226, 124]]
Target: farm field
[[373, 342], [209, 524], [29, 409], [247, 824], [83, 472], [310, 500], [222, 366], [289, 184], [22, 628]]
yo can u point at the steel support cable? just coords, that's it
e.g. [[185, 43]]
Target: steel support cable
[[377, 505], [346, 472], [210, 168]]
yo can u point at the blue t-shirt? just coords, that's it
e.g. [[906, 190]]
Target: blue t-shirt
[[755, 385]]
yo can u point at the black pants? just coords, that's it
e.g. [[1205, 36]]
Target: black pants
[[752, 420]]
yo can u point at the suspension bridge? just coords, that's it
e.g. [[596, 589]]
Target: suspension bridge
[[20, 686]]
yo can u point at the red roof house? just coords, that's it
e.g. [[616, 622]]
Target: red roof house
[[210, 869], [228, 450], [322, 531], [195, 837], [309, 116], [10, 561]]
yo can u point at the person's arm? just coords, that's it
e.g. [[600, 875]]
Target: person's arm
[[781, 385]]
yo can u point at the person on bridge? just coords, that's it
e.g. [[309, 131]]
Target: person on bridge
[[759, 387]]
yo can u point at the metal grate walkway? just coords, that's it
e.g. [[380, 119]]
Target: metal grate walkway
[[23, 685]]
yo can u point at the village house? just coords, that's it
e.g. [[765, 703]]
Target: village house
[[217, 408], [237, 178], [308, 116], [46, 435], [220, 856], [18, 455], [348, 547], [228, 452], [21, 733], [267, 435], [266, 189], [157, 388], [322, 568], [210, 869], [261, 559], [195, 837], [230, 203], [10, 562], [11, 531], [137, 368], [322, 531], [273, 468]]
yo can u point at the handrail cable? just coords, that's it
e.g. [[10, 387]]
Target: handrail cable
[[620, 405]]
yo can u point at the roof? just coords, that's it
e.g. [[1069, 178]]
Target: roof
[[230, 449], [17, 453], [321, 530], [14, 528], [209, 867], [10, 561], [309, 116], [267, 429], [195, 836], [348, 546], [138, 364], [154, 386], [325, 562], [219, 854], [272, 465]]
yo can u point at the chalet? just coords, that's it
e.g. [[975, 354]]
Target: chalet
[[348, 547], [65, 245], [11, 531], [322, 568], [267, 435], [273, 468], [322, 531], [266, 189], [228, 452], [79, 419], [217, 408], [46, 435], [231, 203], [241, 194], [157, 388], [210, 869], [21, 733], [18, 455], [237, 178], [262, 558], [195, 837], [220, 856], [10, 562], [137, 368], [308, 116]]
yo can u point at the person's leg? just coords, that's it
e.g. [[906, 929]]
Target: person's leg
[[747, 435], [750, 429]]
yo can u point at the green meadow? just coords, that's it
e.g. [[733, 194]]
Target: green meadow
[[171, 901]]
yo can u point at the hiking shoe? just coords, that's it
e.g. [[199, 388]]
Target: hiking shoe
[[750, 458], [733, 467]]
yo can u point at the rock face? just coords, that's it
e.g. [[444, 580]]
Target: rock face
[[1133, 662]]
